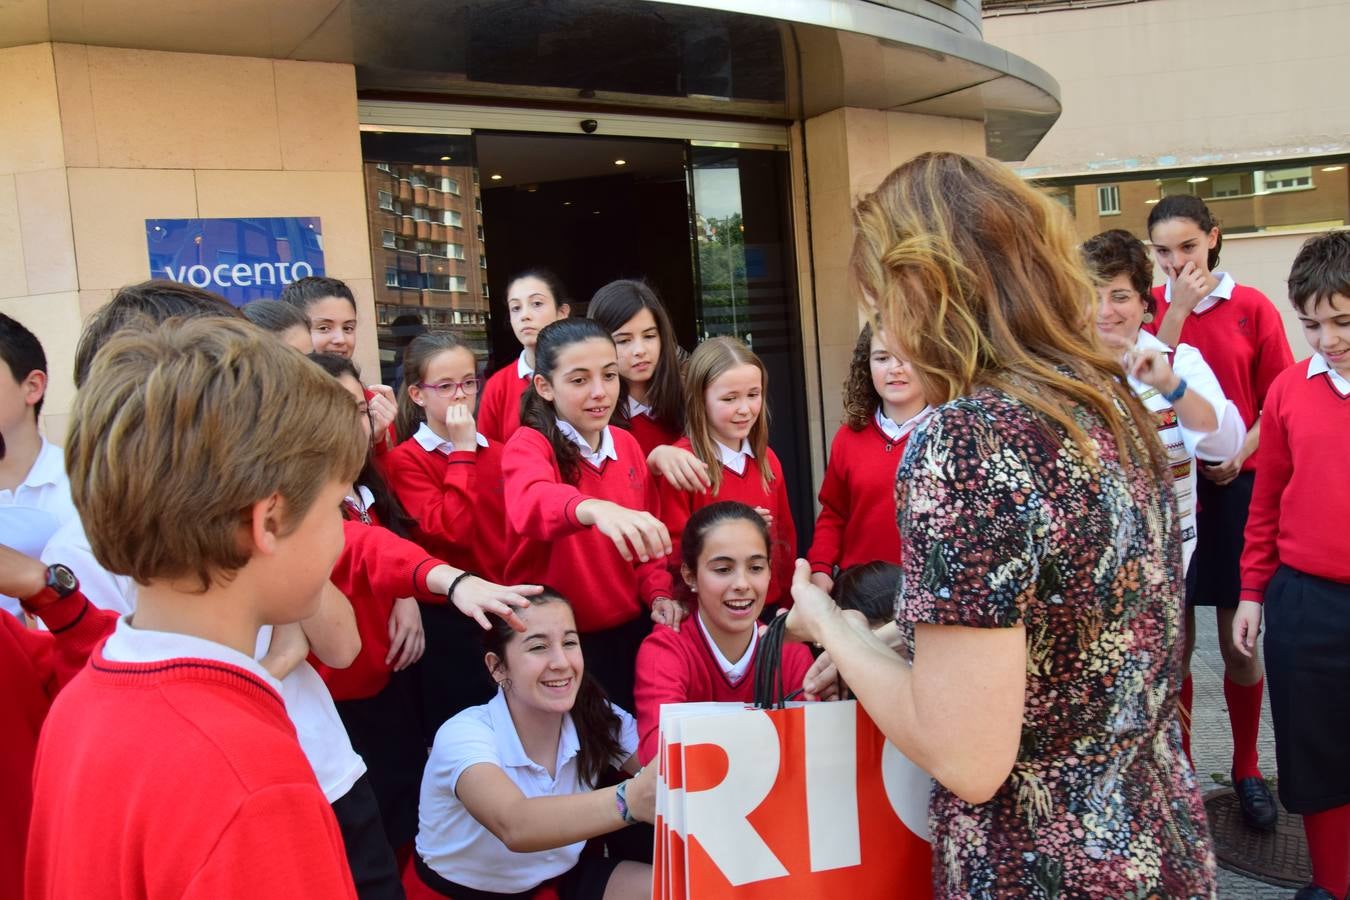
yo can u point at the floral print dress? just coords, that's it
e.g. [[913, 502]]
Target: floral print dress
[[1004, 524]]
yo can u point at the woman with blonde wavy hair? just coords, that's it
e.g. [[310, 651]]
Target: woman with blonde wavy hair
[[1034, 665]]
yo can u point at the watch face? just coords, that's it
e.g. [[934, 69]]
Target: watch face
[[63, 579]]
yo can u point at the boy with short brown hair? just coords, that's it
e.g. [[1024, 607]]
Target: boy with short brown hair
[[168, 768]]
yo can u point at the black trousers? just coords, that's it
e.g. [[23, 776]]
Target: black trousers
[[611, 658], [369, 856]]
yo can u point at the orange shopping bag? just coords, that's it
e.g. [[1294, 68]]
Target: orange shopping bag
[[804, 801]]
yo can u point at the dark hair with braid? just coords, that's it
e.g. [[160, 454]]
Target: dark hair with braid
[[597, 725], [538, 413], [385, 506]]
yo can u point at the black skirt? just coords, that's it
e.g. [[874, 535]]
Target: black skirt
[[1308, 679], [1213, 578]]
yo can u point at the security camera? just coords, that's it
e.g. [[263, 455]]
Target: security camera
[[589, 125]]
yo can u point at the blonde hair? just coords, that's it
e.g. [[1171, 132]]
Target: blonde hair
[[976, 276], [180, 430], [709, 361]]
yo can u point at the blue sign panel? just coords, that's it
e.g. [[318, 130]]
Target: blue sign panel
[[240, 259]]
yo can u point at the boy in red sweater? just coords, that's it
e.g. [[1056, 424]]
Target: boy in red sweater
[[226, 526], [1295, 568]]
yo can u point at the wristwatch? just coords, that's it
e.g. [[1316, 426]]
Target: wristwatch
[[61, 583]]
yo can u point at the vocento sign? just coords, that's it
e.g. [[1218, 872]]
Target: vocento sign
[[240, 259]]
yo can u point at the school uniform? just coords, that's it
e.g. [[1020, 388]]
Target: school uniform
[[34, 509], [1240, 334], [34, 665], [156, 726], [644, 426], [857, 522], [547, 545], [1295, 561], [1183, 445], [741, 482], [686, 666], [499, 404], [454, 847]]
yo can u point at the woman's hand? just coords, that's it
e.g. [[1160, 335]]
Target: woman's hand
[[810, 606], [1152, 368], [641, 795], [666, 611], [1224, 472], [407, 640], [823, 581], [684, 470], [1247, 626], [637, 529], [461, 428], [383, 410]]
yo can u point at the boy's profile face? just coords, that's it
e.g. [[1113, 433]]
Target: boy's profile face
[[18, 398], [1326, 325], [303, 559]]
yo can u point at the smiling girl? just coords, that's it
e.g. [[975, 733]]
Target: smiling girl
[[726, 567], [580, 493], [728, 430]]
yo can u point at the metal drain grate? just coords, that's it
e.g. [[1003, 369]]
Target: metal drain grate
[[1279, 857]]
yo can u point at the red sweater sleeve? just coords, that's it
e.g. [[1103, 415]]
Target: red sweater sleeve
[[1273, 353], [542, 505], [1274, 467], [282, 843], [663, 676], [76, 626], [392, 566], [827, 545], [785, 536], [441, 506], [654, 576]]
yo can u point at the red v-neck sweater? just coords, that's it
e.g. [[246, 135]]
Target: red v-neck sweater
[[34, 665], [547, 545], [679, 667], [180, 778], [1242, 338], [457, 501], [1301, 499], [499, 405], [650, 433], [857, 521], [748, 488]]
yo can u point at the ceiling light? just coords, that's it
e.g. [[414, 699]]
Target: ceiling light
[[567, 203], [445, 159], [620, 162], [1332, 168], [496, 176], [1198, 179]]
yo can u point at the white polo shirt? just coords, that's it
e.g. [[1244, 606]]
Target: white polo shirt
[[33, 511], [452, 842]]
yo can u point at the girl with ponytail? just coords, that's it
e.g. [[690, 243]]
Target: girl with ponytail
[[510, 795], [581, 495]]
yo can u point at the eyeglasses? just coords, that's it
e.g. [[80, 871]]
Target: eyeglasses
[[448, 388]]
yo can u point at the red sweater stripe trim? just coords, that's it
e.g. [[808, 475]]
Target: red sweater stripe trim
[[187, 669]]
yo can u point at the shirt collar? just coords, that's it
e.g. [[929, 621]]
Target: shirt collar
[[48, 468], [1146, 341], [735, 671], [508, 739], [523, 369], [430, 441], [1222, 291], [130, 644], [735, 459], [638, 408], [897, 431], [1318, 365], [594, 457]]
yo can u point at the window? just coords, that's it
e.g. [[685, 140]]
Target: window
[[391, 277], [482, 263], [450, 186], [420, 214], [480, 231], [386, 200], [454, 218], [437, 282], [1226, 186], [478, 205], [485, 290], [418, 179], [388, 239], [1108, 200], [457, 283], [454, 251], [1283, 179], [383, 167]]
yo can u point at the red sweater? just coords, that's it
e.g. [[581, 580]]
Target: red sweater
[[458, 503], [180, 778], [1242, 338], [1301, 500], [34, 665], [679, 667], [748, 488], [499, 404], [376, 568], [650, 433], [549, 546], [857, 501]]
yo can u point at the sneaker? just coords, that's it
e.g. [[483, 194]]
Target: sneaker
[[1313, 892], [1258, 806]]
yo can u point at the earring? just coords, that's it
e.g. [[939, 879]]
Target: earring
[[1148, 317]]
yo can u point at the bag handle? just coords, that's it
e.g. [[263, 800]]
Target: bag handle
[[769, 692]]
